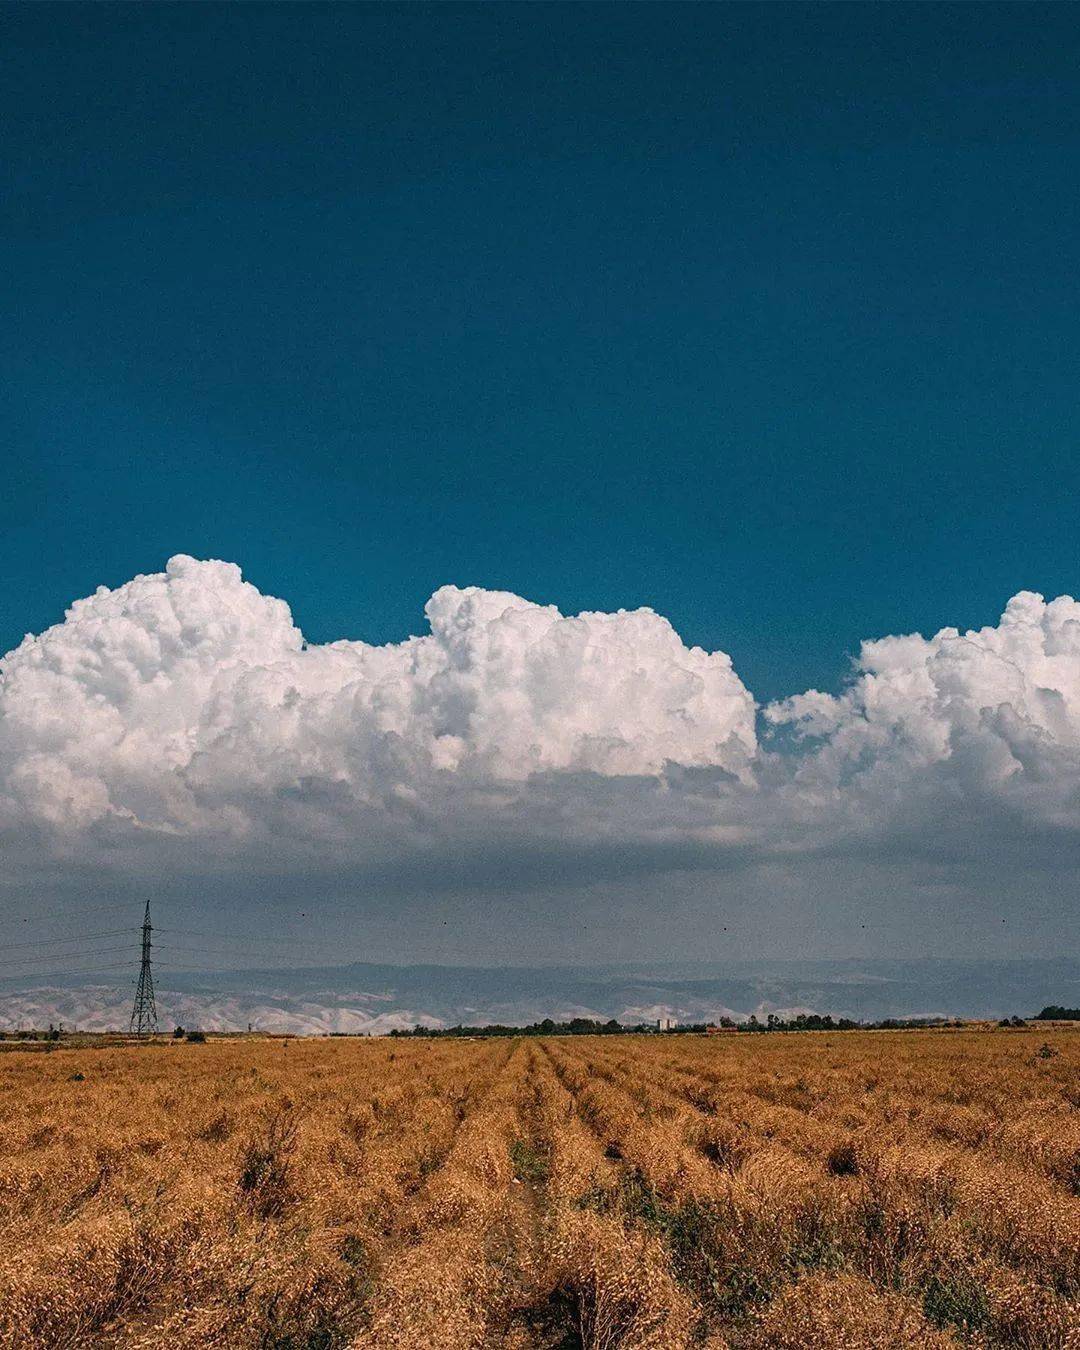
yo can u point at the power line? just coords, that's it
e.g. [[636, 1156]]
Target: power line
[[25, 976], [237, 937], [72, 912], [216, 951], [168, 966], [205, 969], [144, 1007], [167, 961], [56, 942], [58, 974], [100, 951]]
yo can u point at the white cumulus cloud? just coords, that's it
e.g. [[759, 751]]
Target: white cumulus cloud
[[988, 717], [180, 722], [186, 702], [182, 717]]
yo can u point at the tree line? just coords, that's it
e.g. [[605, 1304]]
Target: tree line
[[587, 1026]]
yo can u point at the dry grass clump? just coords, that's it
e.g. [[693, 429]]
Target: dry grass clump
[[619, 1284], [843, 1312], [844, 1190]]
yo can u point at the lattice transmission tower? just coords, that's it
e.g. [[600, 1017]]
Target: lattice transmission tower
[[144, 1009]]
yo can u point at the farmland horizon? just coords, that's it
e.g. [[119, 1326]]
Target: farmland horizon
[[540, 513], [375, 998]]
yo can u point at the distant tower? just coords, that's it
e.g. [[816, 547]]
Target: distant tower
[[144, 1010]]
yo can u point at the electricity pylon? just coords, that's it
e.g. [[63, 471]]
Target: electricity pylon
[[144, 1009]]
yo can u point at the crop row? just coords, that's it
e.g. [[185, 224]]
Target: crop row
[[648, 1194]]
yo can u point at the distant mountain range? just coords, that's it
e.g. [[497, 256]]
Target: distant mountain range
[[378, 998]]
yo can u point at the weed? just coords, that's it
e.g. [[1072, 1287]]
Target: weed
[[353, 1251], [217, 1129], [265, 1166], [956, 1300], [531, 1164]]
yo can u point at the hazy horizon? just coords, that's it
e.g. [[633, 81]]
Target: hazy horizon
[[376, 998]]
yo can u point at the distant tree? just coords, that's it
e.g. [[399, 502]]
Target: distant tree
[[198, 1037], [178, 1034], [1055, 1013]]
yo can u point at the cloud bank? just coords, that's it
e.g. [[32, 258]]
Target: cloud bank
[[185, 710], [189, 702]]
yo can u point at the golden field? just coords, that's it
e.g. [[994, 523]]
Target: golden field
[[911, 1189]]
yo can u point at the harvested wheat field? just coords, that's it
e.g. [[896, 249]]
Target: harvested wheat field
[[838, 1190]]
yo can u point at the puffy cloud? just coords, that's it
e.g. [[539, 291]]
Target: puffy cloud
[[182, 720], [187, 702], [987, 719]]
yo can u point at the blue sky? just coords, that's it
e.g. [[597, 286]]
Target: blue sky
[[763, 316]]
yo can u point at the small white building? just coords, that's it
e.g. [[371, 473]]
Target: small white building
[[666, 1024]]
